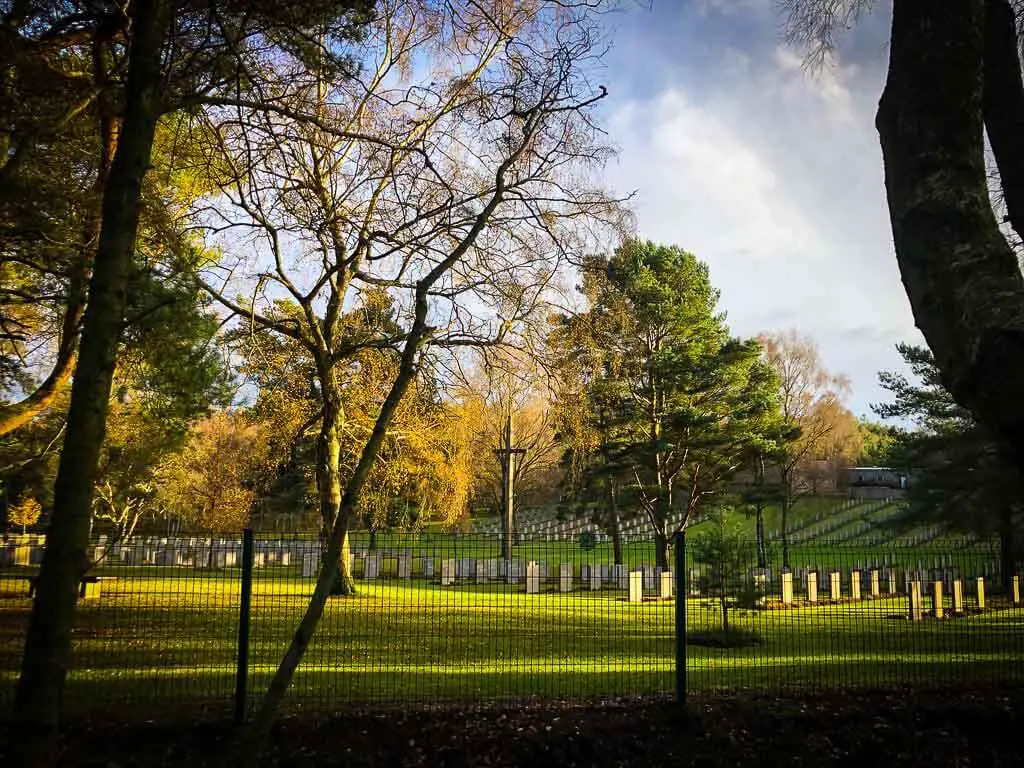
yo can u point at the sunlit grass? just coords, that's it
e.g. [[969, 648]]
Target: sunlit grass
[[160, 640]]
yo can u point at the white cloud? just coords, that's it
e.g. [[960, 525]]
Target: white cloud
[[830, 82], [774, 179]]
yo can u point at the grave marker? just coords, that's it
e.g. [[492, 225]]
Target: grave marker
[[310, 561], [876, 591], [666, 585], [855, 585], [595, 579], [532, 578], [812, 587], [937, 607], [22, 554], [916, 614], [1015, 590], [958, 596], [981, 591], [565, 577], [447, 572], [636, 587], [835, 586], [787, 588], [371, 568]]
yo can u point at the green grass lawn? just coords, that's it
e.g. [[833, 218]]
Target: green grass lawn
[[161, 639]]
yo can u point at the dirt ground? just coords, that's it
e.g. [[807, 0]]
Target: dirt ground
[[963, 727]]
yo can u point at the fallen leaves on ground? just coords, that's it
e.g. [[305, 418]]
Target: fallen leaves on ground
[[975, 726]]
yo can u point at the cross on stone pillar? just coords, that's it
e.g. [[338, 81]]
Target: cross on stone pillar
[[507, 456]]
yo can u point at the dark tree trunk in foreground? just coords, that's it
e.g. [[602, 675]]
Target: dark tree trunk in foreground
[[962, 278], [48, 642], [662, 552], [1003, 106], [1007, 548]]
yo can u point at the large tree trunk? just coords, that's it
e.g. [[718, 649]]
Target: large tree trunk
[[48, 641], [1003, 106], [762, 549], [783, 523], [662, 552], [328, 481], [616, 538], [260, 729], [1007, 548], [963, 281]]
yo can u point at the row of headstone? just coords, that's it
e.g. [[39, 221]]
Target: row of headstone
[[937, 591]]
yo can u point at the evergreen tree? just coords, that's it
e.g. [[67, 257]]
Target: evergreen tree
[[679, 404], [959, 476]]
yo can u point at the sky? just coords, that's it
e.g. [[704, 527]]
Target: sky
[[770, 174]]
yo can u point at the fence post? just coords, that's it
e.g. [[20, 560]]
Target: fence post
[[681, 594], [244, 613]]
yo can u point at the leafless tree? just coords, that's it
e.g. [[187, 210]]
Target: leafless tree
[[456, 173]]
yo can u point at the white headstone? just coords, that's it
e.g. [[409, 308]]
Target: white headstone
[[447, 573], [981, 591], [371, 569], [916, 612], [958, 596], [532, 578], [812, 587], [855, 585], [310, 561], [428, 567], [787, 588], [835, 586], [665, 585], [937, 605], [404, 566], [595, 579], [636, 586], [565, 577]]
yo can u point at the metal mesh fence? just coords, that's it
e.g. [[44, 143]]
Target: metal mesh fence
[[444, 618]]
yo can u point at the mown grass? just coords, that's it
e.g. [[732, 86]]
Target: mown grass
[[156, 641]]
